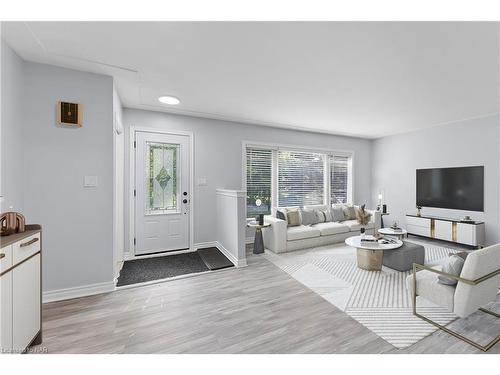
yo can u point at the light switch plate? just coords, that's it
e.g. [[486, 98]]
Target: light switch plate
[[90, 181]]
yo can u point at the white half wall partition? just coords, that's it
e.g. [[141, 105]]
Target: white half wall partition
[[231, 225]]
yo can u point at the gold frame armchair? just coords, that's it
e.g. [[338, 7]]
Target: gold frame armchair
[[476, 286]]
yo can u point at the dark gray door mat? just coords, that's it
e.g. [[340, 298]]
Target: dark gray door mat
[[214, 259], [157, 268]]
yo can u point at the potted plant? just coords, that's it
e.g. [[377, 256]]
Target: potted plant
[[363, 218]]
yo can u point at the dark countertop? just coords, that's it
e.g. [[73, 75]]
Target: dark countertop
[[473, 222], [31, 229]]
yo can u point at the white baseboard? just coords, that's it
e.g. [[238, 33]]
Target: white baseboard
[[106, 287], [231, 257], [203, 245], [79, 291]]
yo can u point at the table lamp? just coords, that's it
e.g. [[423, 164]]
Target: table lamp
[[260, 219]]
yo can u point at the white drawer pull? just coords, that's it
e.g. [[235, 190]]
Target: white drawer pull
[[29, 242], [2, 255]]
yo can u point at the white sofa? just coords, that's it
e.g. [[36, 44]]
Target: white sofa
[[281, 238]]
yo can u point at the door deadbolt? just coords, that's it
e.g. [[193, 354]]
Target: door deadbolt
[[185, 201]]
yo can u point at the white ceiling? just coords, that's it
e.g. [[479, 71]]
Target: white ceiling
[[356, 78]]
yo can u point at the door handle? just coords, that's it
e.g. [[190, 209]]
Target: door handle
[[2, 255], [184, 201]]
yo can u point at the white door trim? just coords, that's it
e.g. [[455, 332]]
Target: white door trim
[[131, 218]]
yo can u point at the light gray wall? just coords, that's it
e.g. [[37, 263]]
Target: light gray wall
[[77, 221], [11, 129], [218, 157], [466, 143]]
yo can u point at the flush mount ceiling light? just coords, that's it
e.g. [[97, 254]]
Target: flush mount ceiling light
[[170, 100]]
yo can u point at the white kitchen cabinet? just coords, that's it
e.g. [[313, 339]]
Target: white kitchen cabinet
[[20, 290], [6, 312], [26, 302]]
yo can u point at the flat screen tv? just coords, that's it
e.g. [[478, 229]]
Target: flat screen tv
[[455, 188]]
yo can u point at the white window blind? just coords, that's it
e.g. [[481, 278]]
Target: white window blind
[[259, 170], [339, 178], [300, 178]]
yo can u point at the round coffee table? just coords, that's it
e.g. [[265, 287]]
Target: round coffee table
[[370, 254], [258, 243], [400, 234]]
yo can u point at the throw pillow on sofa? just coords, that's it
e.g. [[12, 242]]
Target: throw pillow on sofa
[[349, 212], [308, 217], [281, 214], [323, 216], [338, 213], [453, 266], [293, 217], [461, 254]]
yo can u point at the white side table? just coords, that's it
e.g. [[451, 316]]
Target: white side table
[[400, 234]]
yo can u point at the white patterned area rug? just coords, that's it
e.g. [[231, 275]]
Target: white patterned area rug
[[377, 299]]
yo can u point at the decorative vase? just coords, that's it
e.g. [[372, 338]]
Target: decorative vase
[[362, 232], [12, 222]]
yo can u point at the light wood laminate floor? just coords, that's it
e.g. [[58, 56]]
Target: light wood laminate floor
[[256, 309]]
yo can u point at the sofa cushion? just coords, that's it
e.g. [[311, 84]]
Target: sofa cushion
[[328, 229], [355, 226], [301, 232], [430, 289]]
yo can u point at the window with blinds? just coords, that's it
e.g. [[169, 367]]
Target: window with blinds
[[300, 178], [259, 172], [339, 178]]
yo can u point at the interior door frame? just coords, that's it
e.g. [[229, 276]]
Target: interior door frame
[[131, 218]]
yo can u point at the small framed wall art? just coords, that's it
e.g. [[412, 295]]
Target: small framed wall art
[[69, 114]]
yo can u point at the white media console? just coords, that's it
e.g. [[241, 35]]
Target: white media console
[[467, 233]]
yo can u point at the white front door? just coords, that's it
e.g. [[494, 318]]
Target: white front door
[[161, 192]]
